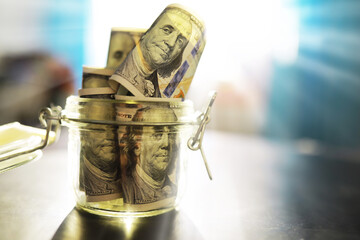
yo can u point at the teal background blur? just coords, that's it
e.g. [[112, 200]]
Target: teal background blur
[[42, 51], [65, 27], [318, 95]]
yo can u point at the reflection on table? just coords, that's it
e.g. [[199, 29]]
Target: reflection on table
[[260, 190], [171, 225]]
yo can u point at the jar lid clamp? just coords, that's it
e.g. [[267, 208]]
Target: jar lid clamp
[[195, 142]]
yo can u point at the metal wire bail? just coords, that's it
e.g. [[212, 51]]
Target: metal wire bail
[[46, 117], [195, 142]]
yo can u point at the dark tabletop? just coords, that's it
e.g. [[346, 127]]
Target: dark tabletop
[[261, 190]]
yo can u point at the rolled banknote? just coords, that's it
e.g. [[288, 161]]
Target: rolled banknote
[[164, 61], [122, 41], [99, 173], [148, 159], [95, 82]]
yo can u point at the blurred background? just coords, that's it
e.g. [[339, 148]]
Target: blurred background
[[284, 69]]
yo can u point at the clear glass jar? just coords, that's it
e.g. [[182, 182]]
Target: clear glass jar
[[128, 157]]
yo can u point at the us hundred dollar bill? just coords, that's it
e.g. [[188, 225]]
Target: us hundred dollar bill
[[164, 61], [148, 156], [122, 41], [95, 83], [100, 164], [100, 176], [99, 170]]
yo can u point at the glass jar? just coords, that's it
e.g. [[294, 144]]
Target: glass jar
[[128, 157]]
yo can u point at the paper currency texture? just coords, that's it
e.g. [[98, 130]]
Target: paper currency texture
[[122, 41], [164, 61], [99, 174], [95, 82], [149, 156], [99, 164]]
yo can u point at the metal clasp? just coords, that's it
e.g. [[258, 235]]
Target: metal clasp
[[195, 142], [49, 118]]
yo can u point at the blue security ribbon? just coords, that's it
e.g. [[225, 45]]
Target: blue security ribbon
[[179, 75], [169, 90]]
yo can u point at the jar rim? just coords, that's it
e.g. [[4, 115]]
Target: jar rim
[[122, 111]]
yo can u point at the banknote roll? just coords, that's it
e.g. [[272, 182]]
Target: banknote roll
[[122, 41], [164, 61], [96, 179], [95, 82], [99, 173]]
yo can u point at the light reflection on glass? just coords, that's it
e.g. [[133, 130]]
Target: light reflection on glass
[[129, 222]]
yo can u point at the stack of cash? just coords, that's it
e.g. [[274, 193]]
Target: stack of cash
[[141, 65], [95, 83], [98, 172]]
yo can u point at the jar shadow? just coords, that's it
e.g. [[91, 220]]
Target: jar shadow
[[168, 226]]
